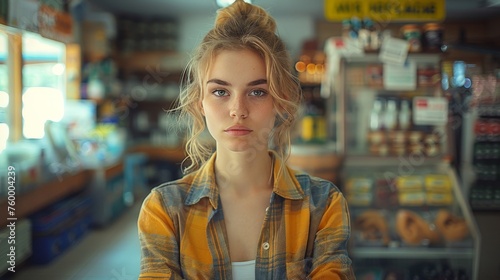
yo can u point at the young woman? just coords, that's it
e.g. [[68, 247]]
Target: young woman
[[240, 212]]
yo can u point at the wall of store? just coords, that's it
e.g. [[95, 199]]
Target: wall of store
[[293, 30]]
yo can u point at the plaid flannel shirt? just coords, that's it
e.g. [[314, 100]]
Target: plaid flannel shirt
[[304, 235]]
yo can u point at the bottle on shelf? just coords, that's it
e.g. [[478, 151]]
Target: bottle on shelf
[[391, 114], [376, 115], [404, 115]]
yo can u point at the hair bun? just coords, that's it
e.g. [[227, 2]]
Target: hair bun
[[242, 14]]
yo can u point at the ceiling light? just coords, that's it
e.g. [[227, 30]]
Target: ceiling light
[[225, 3]]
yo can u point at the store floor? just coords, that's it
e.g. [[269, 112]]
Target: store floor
[[111, 253]]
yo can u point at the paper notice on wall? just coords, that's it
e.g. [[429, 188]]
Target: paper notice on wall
[[393, 51], [400, 77], [430, 110]]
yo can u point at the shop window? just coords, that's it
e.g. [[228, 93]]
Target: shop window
[[44, 83], [4, 95]]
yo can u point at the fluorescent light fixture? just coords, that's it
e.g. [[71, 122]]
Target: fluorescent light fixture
[[225, 3]]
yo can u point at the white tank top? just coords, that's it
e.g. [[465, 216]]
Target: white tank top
[[243, 270]]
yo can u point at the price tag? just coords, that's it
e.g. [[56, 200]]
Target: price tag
[[430, 110]]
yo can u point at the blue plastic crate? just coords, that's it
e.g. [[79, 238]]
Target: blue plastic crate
[[58, 227]]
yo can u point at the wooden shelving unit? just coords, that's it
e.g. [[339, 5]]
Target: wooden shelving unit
[[46, 194]]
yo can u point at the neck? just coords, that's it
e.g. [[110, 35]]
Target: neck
[[244, 172]]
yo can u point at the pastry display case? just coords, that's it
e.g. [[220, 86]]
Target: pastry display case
[[413, 224], [409, 217]]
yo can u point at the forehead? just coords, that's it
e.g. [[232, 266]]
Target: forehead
[[235, 66]]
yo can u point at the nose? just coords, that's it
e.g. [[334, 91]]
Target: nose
[[239, 108]]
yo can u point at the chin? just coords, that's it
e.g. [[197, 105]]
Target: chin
[[246, 146]]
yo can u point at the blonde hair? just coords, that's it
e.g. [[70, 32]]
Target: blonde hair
[[237, 27]]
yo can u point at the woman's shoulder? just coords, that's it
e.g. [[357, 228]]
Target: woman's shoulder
[[174, 189], [312, 184]]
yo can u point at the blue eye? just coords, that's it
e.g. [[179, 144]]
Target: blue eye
[[219, 92], [258, 93]]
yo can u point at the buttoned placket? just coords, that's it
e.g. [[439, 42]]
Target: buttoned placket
[[263, 253]]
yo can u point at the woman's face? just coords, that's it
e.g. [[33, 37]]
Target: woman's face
[[236, 103]]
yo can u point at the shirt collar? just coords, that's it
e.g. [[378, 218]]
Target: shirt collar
[[203, 183]]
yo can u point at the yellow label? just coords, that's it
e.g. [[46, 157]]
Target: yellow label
[[412, 198], [356, 185], [307, 128], [386, 10], [437, 183], [360, 199], [439, 199], [409, 183], [321, 128]]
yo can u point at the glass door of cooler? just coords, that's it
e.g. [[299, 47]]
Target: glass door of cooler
[[393, 111]]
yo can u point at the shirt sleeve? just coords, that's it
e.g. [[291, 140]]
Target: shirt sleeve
[[330, 257], [159, 245]]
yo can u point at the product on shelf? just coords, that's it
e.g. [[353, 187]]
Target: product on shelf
[[409, 183], [414, 198], [386, 196], [414, 230], [374, 75], [412, 34], [392, 132], [438, 190], [487, 130], [428, 75], [359, 191], [363, 31], [484, 196], [405, 190], [452, 227], [433, 37], [485, 192], [372, 225]]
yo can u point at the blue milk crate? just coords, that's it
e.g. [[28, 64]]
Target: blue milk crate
[[59, 226]]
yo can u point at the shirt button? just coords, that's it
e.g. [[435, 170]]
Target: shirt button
[[265, 246], [267, 209]]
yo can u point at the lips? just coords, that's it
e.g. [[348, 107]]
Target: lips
[[238, 130]]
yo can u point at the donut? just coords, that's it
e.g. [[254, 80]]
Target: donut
[[413, 229], [373, 226], [452, 227]]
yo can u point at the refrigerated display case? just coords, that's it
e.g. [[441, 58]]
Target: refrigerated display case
[[404, 195], [480, 147]]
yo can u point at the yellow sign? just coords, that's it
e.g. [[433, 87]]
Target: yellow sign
[[386, 10]]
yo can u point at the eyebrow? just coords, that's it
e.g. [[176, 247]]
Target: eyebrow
[[224, 83]]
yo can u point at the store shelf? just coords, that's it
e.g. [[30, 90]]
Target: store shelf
[[413, 253], [405, 160], [153, 152], [380, 90], [374, 58], [46, 194], [474, 48]]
